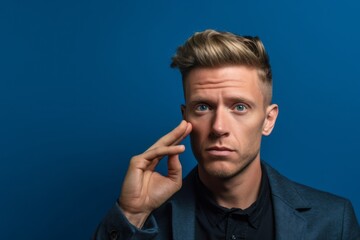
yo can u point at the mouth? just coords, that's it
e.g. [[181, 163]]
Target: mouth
[[219, 151]]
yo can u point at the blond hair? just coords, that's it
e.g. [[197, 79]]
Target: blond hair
[[215, 49]]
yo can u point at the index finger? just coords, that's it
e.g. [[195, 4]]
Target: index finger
[[175, 136]]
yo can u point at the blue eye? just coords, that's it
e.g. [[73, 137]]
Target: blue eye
[[240, 108], [202, 108]]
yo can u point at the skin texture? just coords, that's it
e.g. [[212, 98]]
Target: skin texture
[[225, 113], [227, 110]]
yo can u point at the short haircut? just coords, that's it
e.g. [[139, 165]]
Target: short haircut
[[211, 48]]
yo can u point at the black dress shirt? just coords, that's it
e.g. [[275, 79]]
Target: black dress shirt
[[216, 222]]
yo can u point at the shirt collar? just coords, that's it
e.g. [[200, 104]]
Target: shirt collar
[[251, 214]]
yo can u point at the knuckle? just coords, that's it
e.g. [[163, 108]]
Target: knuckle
[[179, 185], [135, 160], [158, 151]]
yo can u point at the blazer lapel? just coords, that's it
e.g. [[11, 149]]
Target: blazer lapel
[[288, 207], [183, 210], [183, 222], [289, 224]]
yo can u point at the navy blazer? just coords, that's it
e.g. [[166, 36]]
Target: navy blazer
[[300, 212]]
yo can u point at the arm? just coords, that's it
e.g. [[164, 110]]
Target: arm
[[141, 193], [116, 226]]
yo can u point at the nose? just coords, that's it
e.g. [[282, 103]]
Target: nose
[[220, 123]]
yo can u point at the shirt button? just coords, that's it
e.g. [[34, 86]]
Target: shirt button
[[113, 235], [233, 237]]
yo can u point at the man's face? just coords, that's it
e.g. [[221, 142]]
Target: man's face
[[227, 110]]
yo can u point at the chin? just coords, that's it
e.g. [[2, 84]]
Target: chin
[[223, 170]]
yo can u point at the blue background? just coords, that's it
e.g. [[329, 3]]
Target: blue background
[[85, 85]]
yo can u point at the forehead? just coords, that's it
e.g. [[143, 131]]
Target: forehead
[[235, 81]]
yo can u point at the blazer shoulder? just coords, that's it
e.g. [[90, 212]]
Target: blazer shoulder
[[314, 195], [285, 188], [325, 215]]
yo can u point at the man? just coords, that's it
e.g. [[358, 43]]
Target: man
[[231, 194]]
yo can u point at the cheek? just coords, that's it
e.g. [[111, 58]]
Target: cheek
[[199, 129], [196, 138], [255, 133], [198, 123], [249, 130]]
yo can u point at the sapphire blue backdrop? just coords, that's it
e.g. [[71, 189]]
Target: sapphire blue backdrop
[[84, 85]]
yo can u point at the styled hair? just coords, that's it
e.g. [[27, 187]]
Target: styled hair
[[211, 48]]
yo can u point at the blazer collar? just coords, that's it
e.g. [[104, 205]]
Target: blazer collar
[[288, 206]]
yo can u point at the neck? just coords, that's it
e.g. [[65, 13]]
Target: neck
[[239, 191]]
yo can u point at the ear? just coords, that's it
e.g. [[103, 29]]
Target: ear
[[183, 111], [272, 112]]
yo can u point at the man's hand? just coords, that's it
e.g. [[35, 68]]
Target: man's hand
[[143, 189]]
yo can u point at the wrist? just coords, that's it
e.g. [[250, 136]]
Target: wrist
[[137, 219]]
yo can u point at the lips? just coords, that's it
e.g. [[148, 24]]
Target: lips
[[219, 151]]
